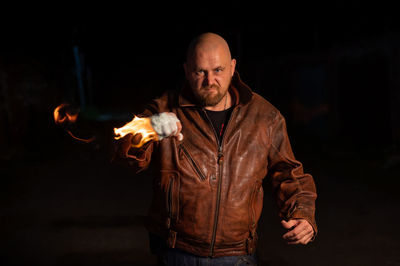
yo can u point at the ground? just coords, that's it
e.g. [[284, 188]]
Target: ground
[[74, 207]]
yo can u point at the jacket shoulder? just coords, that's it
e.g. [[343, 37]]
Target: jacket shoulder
[[264, 107], [163, 103]]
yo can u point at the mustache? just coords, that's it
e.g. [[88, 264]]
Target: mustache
[[210, 87]]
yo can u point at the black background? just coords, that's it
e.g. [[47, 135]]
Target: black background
[[64, 202]]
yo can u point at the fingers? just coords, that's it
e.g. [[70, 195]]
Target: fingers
[[297, 231], [167, 129], [172, 128], [289, 224], [300, 233], [173, 124], [179, 127], [304, 240], [166, 125], [180, 137], [178, 134]]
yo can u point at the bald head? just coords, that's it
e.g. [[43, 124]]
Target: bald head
[[209, 69], [208, 42]]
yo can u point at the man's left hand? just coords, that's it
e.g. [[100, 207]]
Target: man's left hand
[[300, 231]]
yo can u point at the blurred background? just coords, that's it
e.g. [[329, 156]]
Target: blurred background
[[332, 69]]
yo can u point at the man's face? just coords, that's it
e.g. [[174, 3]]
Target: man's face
[[209, 73]]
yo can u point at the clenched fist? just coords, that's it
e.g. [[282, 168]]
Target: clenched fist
[[166, 125], [299, 231]]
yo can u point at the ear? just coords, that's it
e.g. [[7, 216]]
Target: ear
[[233, 66]]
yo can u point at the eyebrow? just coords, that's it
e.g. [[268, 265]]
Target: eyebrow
[[199, 68]]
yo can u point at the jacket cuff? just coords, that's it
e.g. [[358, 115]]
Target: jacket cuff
[[138, 154], [305, 213]]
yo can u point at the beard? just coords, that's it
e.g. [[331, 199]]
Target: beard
[[206, 98]]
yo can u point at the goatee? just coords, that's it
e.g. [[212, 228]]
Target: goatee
[[207, 99]]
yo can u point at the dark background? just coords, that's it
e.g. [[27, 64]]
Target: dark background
[[332, 69]]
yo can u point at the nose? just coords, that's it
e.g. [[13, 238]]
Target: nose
[[208, 79]]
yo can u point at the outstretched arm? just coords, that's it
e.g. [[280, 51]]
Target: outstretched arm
[[129, 149]]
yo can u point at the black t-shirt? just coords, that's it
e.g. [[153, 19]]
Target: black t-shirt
[[219, 119]]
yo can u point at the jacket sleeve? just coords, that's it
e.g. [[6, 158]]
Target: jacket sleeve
[[295, 190], [136, 158]]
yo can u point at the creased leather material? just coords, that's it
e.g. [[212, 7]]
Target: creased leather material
[[208, 200]]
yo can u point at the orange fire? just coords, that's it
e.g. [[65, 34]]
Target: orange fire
[[137, 125], [63, 116], [83, 140]]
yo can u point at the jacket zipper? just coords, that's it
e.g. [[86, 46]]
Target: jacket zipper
[[220, 162], [194, 164]]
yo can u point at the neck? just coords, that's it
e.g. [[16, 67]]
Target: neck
[[224, 104]]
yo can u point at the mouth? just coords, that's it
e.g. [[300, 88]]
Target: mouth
[[210, 89]]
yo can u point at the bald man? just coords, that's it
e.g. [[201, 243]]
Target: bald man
[[219, 141]]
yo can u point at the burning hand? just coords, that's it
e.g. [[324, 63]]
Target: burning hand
[[166, 125], [156, 127]]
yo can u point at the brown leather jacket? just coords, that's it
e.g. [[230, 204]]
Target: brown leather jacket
[[208, 196]]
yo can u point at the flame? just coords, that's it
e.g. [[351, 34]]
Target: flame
[[62, 116], [137, 125], [83, 140]]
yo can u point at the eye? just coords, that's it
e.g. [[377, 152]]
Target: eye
[[218, 69], [199, 72]]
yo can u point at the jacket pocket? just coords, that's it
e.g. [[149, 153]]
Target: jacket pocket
[[256, 202], [192, 162], [171, 194]]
